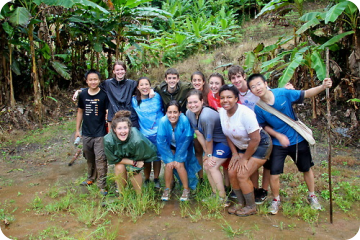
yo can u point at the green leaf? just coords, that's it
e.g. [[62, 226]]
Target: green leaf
[[5, 11], [52, 98], [335, 12], [335, 39], [15, 68], [318, 64], [313, 22], [259, 48], [272, 6], [353, 100], [8, 29], [249, 61], [309, 16], [71, 3], [356, 2], [351, 8], [20, 16], [289, 71], [98, 47], [46, 51], [60, 69]]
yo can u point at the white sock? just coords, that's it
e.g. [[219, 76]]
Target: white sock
[[277, 198], [311, 193]]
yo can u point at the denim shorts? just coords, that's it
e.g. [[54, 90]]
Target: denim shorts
[[263, 151]]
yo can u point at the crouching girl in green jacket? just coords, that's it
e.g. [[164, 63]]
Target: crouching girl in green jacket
[[128, 149]]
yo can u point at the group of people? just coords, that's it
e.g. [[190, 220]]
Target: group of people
[[191, 126]]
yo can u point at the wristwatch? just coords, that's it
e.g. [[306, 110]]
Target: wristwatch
[[209, 155]]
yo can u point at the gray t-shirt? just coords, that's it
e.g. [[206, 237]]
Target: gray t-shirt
[[208, 124]]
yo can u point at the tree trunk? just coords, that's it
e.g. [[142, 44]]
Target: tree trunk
[[12, 97], [34, 75]]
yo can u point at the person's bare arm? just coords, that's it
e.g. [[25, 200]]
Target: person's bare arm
[[327, 83], [127, 161], [283, 139], [79, 118]]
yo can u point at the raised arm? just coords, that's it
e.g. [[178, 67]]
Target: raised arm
[[327, 83]]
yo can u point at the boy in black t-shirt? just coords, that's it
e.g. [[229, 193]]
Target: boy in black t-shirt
[[92, 107]]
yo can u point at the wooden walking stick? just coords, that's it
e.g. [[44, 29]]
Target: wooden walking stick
[[328, 133]]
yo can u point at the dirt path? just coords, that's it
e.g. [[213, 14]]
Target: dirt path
[[32, 171]]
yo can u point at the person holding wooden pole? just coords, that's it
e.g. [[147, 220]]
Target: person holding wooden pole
[[286, 140]]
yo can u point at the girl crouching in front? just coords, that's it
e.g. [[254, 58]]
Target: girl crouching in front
[[128, 149]]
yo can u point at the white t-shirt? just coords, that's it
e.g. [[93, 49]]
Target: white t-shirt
[[248, 99], [238, 127]]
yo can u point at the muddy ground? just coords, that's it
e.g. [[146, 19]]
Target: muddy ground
[[30, 170]]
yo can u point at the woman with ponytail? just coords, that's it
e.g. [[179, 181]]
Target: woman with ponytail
[[128, 149]]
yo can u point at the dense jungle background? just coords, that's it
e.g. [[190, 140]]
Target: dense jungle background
[[48, 45]]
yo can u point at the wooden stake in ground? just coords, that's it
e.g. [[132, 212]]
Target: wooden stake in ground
[[328, 115]]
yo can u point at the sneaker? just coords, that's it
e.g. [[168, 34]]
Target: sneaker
[[87, 183], [314, 202], [103, 192], [166, 195], [274, 207], [157, 183], [260, 195], [185, 195], [232, 195]]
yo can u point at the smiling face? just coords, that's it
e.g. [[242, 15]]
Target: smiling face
[[198, 82], [258, 87], [173, 114], [238, 80], [194, 104], [119, 72], [122, 130], [93, 81], [215, 84], [144, 87], [172, 80], [228, 100]]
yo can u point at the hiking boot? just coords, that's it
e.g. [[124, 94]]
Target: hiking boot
[[314, 203], [185, 195], [260, 195], [234, 208], [166, 195], [87, 183], [103, 192], [274, 207], [157, 183], [246, 211]]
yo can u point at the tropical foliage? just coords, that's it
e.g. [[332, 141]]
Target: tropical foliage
[[303, 61], [49, 44]]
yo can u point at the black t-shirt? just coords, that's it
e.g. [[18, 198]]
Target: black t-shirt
[[94, 107]]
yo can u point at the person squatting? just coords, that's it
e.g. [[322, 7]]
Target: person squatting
[[191, 126]]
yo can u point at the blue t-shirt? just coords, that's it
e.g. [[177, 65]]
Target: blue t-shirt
[[284, 99]]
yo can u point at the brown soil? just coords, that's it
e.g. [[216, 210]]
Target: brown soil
[[30, 171]]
